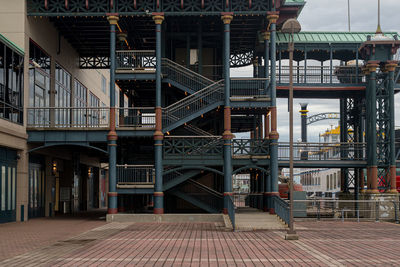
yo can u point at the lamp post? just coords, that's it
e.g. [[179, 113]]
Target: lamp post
[[291, 26]]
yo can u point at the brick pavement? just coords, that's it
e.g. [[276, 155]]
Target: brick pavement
[[207, 244], [19, 238]]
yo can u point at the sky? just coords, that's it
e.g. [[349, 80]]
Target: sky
[[331, 15]]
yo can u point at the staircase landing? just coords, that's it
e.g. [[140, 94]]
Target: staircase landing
[[250, 219]]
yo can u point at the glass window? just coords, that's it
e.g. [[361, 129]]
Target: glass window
[[63, 97], [11, 84], [104, 84], [80, 101], [9, 188], [3, 187], [13, 187]]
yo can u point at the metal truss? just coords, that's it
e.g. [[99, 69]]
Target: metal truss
[[382, 128], [56, 8], [323, 116]]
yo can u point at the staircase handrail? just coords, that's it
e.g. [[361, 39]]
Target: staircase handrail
[[184, 69], [177, 104], [205, 188]]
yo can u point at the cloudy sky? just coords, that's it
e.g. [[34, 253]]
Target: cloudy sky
[[328, 15]]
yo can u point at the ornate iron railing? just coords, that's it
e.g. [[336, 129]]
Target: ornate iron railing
[[193, 103], [323, 151], [135, 174], [143, 117], [184, 76], [248, 87], [321, 74], [198, 147], [135, 59], [68, 117], [281, 208], [254, 147]]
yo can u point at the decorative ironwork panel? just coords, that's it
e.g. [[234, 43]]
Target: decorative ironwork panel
[[241, 59], [58, 7], [135, 6], [94, 62], [253, 147], [187, 147]]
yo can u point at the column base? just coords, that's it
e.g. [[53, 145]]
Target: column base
[[112, 211], [272, 211], [373, 191], [225, 211], [292, 236], [121, 209], [158, 211], [392, 191]]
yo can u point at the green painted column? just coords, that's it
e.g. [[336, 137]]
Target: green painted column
[[112, 135], [266, 36], [372, 168], [273, 135], [390, 67], [227, 135], [158, 135], [200, 47]]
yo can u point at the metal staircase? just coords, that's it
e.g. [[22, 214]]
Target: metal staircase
[[183, 78], [193, 106], [200, 196]]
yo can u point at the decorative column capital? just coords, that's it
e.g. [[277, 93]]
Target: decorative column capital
[[372, 65], [227, 17], [391, 65], [266, 35], [273, 16], [113, 19], [158, 18]]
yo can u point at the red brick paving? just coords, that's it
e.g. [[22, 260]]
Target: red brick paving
[[21, 237], [206, 244]]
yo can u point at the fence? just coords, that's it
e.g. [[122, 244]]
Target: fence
[[370, 210], [142, 117], [135, 59], [135, 174], [65, 117], [323, 151], [248, 87]]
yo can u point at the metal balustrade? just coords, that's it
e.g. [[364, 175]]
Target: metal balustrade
[[212, 72], [141, 117], [68, 117], [253, 147], [321, 75], [281, 208], [135, 59], [323, 151], [193, 103], [342, 209], [189, 146], [248, 87], [184, 76], [135, 174], [231, 211]]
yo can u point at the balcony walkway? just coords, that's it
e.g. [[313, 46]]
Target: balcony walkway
[[208, 244]]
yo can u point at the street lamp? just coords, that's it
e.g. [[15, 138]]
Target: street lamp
[[291, 26]]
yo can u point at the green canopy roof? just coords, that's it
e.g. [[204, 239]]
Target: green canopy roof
[[11, 44], [328, 37]]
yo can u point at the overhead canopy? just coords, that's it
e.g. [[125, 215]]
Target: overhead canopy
[[328, 37]]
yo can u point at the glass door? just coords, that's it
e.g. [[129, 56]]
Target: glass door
[[37, 191], [8, 174]]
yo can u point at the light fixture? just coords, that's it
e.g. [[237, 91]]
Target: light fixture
[[54, 167]]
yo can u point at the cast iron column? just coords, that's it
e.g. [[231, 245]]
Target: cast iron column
[[303, 114], [267, 36], [227, 135], [112, 135], [390, 66], [372, 168], [267, 183], [273, 135], [158, 135]]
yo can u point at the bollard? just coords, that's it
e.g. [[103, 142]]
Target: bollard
[[396, 215], [318, 211], [358, 215], [342, 215], [377, 211]]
